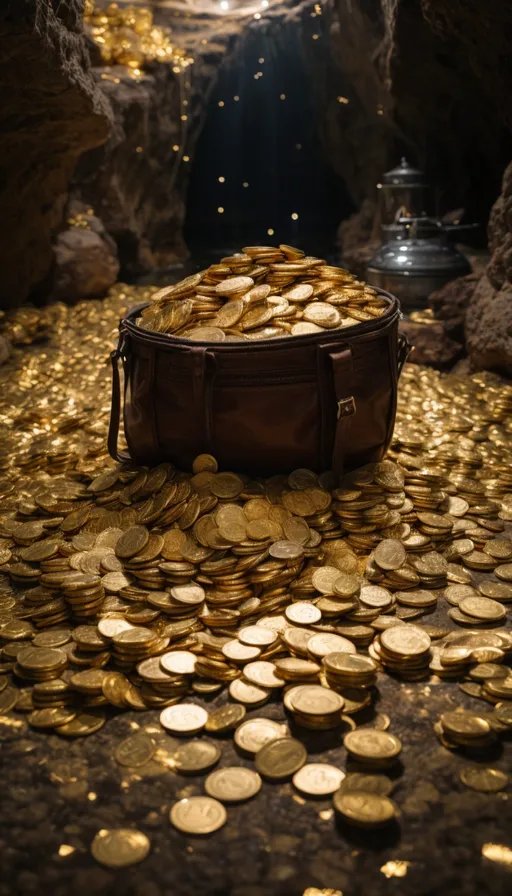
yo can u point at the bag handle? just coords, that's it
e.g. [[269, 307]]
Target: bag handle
[[404, 350], [115, 410]]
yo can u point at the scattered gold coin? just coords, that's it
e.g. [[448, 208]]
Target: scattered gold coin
[[318, 779], [120, 847], [233, 784], [198, 815], [486, 780]]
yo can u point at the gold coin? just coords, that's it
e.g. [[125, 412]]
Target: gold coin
[[257, 636], [253, 734], [318, 779], [324, 579], [179, 662], [198, 815], [51, 717], [485, 780], [281, 758], [227, 718], [234, 285], [483, 608], [233, 784], [195, 756], [285, 550], [184, 718], [364, 809], [302, 613], [191, 594], [84, 723], [248, 694], [359, 781], [135, 751], [132, 541], [119, 848], [322, 644], [313, 700], [206, 334], [323, 314], [262, 674], [464, 724], [405, 640], [303, 328], [227, 485], [204, 463], [390, 554], [372, 744], [240, 653]]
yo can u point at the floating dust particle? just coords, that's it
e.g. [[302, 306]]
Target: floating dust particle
[[497, 852], [395, 869], [66, 850]]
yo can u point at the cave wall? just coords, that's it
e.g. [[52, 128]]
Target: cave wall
[[51, 112]]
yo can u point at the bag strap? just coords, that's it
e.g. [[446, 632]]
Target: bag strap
[[404, 350], [115, 410], [341, 362]]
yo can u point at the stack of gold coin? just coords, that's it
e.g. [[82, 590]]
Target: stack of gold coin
[[349, 670], [84, 593], [314, 706], [404, 649], [40, 663], [463, 728], [262, 293]]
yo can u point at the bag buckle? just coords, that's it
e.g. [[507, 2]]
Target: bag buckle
[[346, 407]]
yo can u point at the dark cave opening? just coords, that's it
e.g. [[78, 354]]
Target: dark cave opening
[[259, 156]]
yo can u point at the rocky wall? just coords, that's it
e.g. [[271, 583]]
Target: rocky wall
[[51, 112]]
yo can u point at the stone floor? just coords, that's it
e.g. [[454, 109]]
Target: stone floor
[[58, 794]]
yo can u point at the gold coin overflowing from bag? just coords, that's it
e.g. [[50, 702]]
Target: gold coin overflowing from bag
[[270, 360]]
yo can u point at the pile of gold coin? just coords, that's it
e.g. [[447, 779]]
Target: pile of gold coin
[[148, 589], [263, 292]]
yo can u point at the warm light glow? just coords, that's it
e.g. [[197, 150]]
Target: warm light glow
[[295, 216], [65, 849], [220, 210], [343, 99], [264, 4], [236, 98], [222, 180], [175, 147], [245, 184], [224, 4], [283, 96], [270, 231], [186, 158], [221, 103]]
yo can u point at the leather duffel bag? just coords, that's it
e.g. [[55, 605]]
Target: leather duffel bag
[[321, 401]]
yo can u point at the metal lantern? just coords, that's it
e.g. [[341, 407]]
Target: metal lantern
[[403, 193], [417, 260]]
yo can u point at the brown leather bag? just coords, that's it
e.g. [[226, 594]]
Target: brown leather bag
[[321, 401]]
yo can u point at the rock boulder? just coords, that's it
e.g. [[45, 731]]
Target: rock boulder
[[488, 326]]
